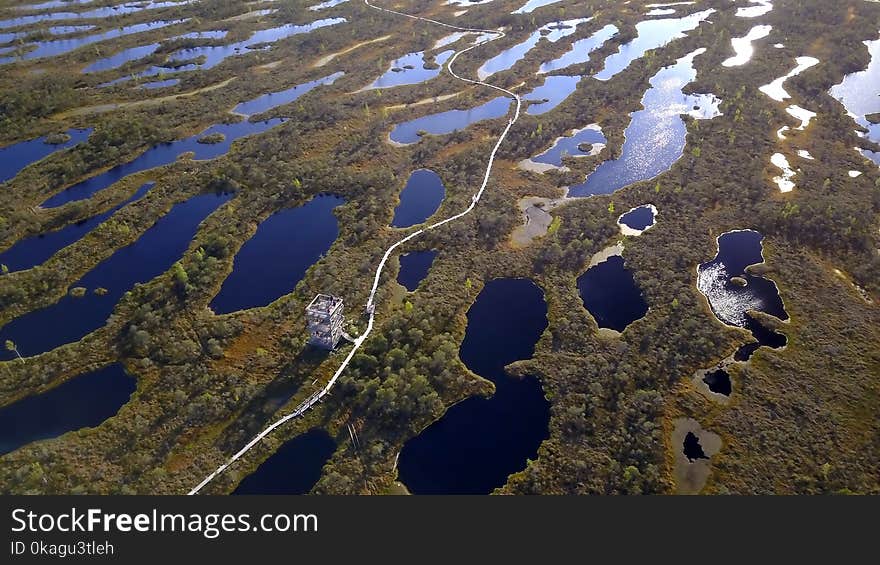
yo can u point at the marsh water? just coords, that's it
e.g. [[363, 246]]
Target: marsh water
[[294, 468], [60, 46], [326, 5], [570, 146], [412, 68], [419, 199], [272, 100], [122, 57], [651, 35], [611, 295], [272, 262], [655, 138], [133, 53], [533, 5], [209, 56], [512, 55], [718, 382], [551, 94], [83, 401], [721, 281], [479, 442], [858, 93], [166, 153], [692, 448], [14, 158], [639, 218], [730, 301], [449, 121], [35, 250], [96, 13], [764, 337], [580, 50], [72, 318], [414, 267]]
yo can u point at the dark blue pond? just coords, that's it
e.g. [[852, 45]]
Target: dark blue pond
[[550, 94], [72, 318], [655, 138], [167, 153], [419, 199], [450, 121], [640, 218], [611, 295], [414, 267], [479, 442], [730, 301], [14, 158], [764, 337], [35, 250], [692, 449], [272, 262], [61, 46], [84, 401], [570, 146], [580, 50], [651, 35], [294, 468], [410, 69], [718, 382]]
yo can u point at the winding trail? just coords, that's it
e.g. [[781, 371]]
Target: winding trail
[[371, 306]]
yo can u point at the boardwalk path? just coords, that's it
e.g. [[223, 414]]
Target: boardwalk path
[[371, 306]]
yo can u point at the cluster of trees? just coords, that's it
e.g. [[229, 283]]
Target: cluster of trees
[[402, 381]]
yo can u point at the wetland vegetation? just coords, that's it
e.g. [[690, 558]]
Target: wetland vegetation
[[106, 274]]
